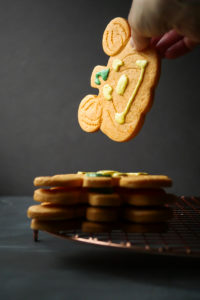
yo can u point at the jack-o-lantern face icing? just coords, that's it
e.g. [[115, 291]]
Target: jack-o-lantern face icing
[[125, 86]]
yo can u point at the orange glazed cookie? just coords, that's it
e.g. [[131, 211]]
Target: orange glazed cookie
[[145, 181], [147, 215], [94, 180], [94, 227], [95, 214], [49, 212], [67, 180], [55, 226], [101, 199], [146, 197], [58, 195], [125, 86]]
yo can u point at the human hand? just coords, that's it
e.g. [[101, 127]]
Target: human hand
[[172, 26]]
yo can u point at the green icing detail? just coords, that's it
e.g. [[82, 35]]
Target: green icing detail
[[94, 174], [103, 74], [111, 173]]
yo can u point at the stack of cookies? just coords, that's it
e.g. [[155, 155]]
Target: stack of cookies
[[60, 205], [146, 204], [104, 201], [131, 201], [101, 201]]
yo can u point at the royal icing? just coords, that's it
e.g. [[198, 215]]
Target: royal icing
[[95, 174], [117, 173], [117, 63], [107, 91], [103, 74], [120, 117], [121, 84]]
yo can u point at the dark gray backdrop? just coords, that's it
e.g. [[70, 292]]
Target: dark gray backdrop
[[48, 49]]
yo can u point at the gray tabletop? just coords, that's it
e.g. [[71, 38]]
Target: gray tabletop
[[55, 268]]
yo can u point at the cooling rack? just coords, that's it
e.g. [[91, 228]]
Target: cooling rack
[[181, 238]]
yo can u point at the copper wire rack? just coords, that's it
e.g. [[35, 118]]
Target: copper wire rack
[[181, 238]]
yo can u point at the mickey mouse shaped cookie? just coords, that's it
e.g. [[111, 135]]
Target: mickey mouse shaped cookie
[[125, 86]]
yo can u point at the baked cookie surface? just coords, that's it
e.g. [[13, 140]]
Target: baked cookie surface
[[55, 226], [101, 199], [97, 214], [125, 86], [60, 180], [147, 215], [145, 181], [60, 196], [51, 212], [147, 197]]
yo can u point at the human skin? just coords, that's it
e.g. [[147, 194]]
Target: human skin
[[172, 26]]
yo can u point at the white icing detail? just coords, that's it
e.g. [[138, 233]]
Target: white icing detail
[[117, 63], [120, 117], [107, 91], [141, 63], [121, 85]]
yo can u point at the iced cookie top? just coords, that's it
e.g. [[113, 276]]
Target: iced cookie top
[[105, 178], [125, 86]]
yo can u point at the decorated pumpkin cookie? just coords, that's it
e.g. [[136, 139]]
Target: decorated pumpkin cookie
[[125, 86]]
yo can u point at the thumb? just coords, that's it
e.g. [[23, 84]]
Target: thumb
[[138, 41]]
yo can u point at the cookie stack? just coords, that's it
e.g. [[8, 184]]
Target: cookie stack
[[104, 201], [135, 202], [60, 205], [101, 201], [146, 204]]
